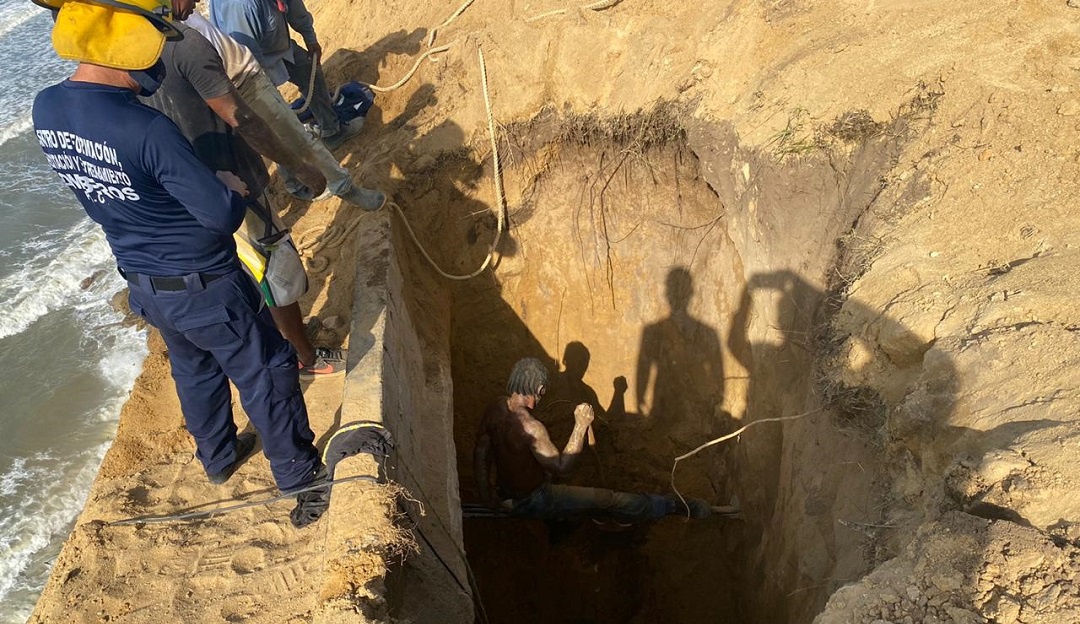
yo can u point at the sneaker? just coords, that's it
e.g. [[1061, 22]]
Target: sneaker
[[348, 130], [331, 354], [303, 193], [311, 504], [367, 199], [322, 367], [245, 444], [727, 511], [731, 510]]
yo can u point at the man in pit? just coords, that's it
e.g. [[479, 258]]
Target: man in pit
[[517, 446]]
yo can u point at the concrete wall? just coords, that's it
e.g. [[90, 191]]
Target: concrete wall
[[399, 374]]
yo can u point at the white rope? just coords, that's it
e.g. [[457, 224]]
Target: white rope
[[600, 6], [412, 71], [311, 86], [722, 439], [431, 38], [595, 6], [499, 197], [537, 18]]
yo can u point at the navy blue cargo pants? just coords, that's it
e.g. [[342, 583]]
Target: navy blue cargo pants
[[217, 330]]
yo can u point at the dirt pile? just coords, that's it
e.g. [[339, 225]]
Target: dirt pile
[[965, 569]]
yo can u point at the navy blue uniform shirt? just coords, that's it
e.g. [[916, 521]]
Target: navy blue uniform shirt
[[163, 211]]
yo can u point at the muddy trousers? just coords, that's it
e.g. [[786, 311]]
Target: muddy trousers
[[570, 502], [263, 97], [217, 330]]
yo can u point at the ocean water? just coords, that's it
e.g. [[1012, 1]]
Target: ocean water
[[67, 364]]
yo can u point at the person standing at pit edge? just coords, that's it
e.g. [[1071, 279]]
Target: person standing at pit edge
[[197, 95], [169, 222], [259, 94], [263, 26]]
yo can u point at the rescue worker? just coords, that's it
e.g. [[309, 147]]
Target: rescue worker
[[263, 98], [197, 95], [169, 222], [264, 27]]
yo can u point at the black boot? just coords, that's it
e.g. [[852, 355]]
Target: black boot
[[311, 504]]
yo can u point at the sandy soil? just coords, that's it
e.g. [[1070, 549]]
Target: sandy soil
[[209, 569], [960, 316]]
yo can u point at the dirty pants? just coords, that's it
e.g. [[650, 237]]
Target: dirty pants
[[265, 100], [217, 330], [570, 501]]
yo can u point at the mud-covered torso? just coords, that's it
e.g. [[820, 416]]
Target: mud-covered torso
[[517, 472]]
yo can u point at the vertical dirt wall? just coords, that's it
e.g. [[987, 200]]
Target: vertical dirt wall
[[695, 271]]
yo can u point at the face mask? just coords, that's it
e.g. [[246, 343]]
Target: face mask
[[149, 79]]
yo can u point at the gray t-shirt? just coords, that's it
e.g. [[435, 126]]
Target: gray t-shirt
[[239, 62], [195, 74]]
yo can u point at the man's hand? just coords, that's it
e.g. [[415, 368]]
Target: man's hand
[[314, 49], [620, 384], [233, 182], [583, 415]]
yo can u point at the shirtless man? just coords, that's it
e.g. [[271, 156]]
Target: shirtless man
[[520, 450]]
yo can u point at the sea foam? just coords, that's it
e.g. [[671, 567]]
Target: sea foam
[[52, 279]]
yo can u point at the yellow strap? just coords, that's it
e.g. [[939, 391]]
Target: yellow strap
[[252, 259]]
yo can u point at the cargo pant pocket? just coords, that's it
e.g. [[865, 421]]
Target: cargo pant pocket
[[208, 328]]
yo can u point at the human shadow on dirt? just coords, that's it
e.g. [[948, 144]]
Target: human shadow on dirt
[[781, 332], [566, 390], [780, 310], [679, 382], [778, 369]]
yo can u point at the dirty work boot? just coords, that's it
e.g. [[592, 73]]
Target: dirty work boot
[[245, 443], [348, 130], [311, 504], [368, 199]]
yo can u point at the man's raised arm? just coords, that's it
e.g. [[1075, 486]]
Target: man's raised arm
[[547, 454]]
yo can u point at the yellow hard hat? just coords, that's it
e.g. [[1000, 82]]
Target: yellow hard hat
[[122, 35]]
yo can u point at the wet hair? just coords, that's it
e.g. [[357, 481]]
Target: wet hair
[[528, 376]]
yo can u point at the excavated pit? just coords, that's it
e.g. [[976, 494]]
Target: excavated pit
[[700, 272]]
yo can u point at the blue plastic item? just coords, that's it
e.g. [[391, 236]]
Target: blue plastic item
[[353, 99]]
